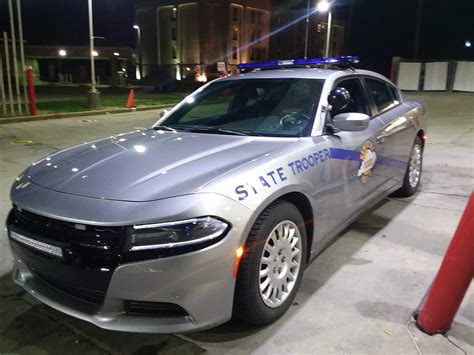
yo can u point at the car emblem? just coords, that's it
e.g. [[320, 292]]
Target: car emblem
[[368, 157]]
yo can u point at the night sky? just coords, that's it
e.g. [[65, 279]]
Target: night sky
[[380, 29]]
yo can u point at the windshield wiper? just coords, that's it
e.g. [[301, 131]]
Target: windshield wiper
[[215, 130], [164, 128]]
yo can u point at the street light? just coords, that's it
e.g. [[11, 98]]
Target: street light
[[322, 6], [468, 44], [139, 49], [325, 6], [62, 52]]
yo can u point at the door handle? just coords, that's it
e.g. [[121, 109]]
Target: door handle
[[380, 138]]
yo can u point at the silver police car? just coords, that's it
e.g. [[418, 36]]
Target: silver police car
[[216, 210]]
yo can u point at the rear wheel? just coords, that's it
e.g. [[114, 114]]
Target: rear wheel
[[272, 266], [412, 178]]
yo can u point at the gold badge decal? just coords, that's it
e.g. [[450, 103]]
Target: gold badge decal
[[367, 161]]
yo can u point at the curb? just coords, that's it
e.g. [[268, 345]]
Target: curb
[[79, 114]]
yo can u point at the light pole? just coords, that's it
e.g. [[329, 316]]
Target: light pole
[[308, 7], [139, 50], [325, 6], [93, 94]]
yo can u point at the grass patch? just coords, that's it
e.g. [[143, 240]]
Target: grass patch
[[52, 107]]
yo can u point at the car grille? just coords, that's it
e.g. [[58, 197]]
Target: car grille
[[95, 297], [95, 247], [153, 309], [91, 254]]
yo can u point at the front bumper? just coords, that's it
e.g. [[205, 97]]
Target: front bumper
[[201, 283]]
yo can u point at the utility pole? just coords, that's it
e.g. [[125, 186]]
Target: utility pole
[[417, 30], [93, 95], [15, 62], [22, 53]]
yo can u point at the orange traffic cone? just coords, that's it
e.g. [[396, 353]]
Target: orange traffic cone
[[131, 99]]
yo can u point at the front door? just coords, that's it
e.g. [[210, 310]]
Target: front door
[[355, 154]]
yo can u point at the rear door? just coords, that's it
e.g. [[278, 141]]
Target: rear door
[[355, 154], [398, 131]]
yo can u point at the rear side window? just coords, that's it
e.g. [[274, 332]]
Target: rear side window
[[381, 95]]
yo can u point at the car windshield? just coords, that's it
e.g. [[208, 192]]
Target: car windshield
[[257, 107]]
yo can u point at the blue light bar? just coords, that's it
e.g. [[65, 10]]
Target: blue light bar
[[342, 60]]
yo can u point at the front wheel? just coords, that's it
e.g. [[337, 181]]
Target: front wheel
[[272, 266], [412, 178]]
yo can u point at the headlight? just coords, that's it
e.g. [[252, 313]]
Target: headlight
[[177, 234]]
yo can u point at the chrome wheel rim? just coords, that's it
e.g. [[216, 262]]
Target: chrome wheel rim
[[280, 263], [414, 171]]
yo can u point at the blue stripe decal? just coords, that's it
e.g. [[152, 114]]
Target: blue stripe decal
[[345, 154], [353, 155], [392, 162]]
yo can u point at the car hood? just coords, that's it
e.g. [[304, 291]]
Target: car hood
[[148, 165]]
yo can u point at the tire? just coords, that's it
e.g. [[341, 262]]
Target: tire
[[279, 220], [411, 182]]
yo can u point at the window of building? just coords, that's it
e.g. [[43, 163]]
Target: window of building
[[173, 33], [321, 28], [174, 52], [258, 36], [174, 13], [253, 17], [259, 18], [235, 53], [235, 34], [235, 14], [334, 46]]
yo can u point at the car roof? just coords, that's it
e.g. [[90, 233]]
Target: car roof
[[304, 73]]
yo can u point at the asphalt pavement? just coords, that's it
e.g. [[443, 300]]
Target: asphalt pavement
[[356, 297]]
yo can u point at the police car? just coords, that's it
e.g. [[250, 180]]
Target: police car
[[218, 208]]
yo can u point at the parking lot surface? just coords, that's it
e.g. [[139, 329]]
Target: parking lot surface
[[356, 297]]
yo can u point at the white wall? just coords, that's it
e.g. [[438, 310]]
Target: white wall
[[436, 76], [464, 78], [408, 76]]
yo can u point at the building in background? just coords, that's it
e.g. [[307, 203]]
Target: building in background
[[290, 42], [194, 40]]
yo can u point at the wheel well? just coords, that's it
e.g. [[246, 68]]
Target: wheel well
[[301, 202], [421, 135]]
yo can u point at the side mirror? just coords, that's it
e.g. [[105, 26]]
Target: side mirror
[[339, 99], [351, 121]]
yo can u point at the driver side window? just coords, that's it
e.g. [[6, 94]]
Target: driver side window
[[358, 102]]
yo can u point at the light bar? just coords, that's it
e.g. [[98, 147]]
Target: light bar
[[344, 60], [36, 244]]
